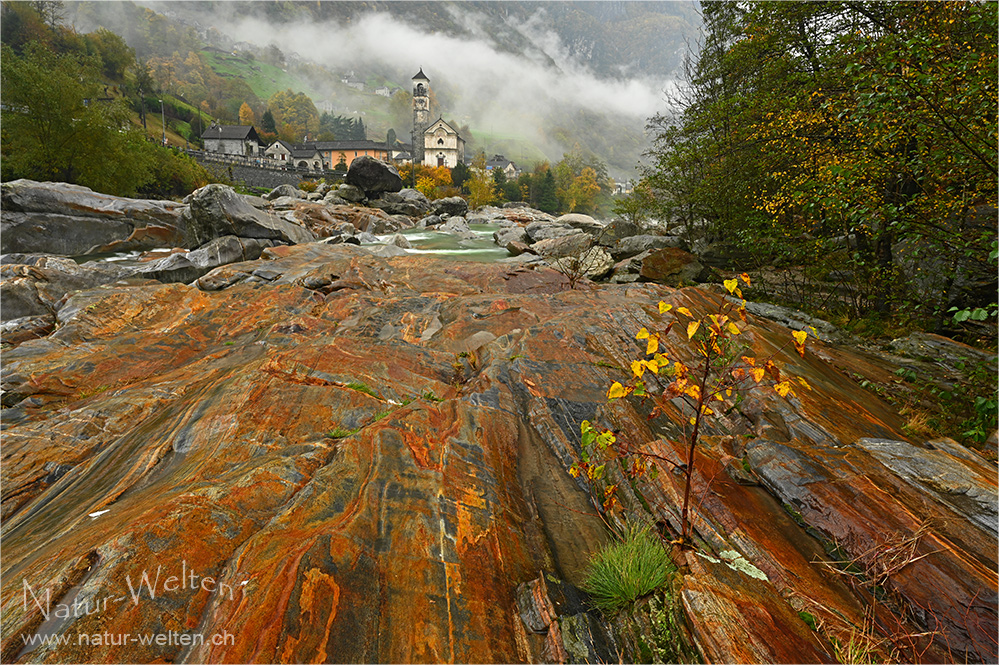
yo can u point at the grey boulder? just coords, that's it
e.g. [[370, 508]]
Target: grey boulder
[[373, 176], [217, 210]]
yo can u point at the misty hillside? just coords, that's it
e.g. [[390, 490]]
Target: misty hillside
[[528, 79], [614, 39]]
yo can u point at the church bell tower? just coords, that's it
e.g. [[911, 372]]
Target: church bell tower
[[421, 113]]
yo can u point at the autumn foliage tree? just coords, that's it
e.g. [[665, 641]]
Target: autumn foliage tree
[[246, 116], [871, 123]]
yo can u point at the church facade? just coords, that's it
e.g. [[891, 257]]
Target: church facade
[[442, 146], [434, 143]]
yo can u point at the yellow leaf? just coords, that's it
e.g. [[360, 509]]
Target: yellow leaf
[[749, 360], [694, 391], [706, 410], [800, 336], [728, 392], [734, 329], [653, 345], [616, 391], [663, 307], [642, 334], [637, 368], [757, 373], [731, 285], [693, 420], [719, 398], [745, 278], [653, 366], [783, 388], [804, 383], [692, 328], [684, 310], [574, 471]]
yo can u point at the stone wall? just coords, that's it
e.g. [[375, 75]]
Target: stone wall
[[253, 176]]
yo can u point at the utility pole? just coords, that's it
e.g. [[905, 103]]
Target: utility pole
[[163, 120]]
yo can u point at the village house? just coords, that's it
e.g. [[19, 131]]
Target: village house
[[335, 152], [503, 164], [325, 154], [232, 140], [279, 151]]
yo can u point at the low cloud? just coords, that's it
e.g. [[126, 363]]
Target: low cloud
[[478, 82]]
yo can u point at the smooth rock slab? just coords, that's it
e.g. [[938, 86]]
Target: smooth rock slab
[[302, 436]]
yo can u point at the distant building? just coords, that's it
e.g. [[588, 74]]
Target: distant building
[[325, 154], [232, 140], [442, 146], [334, 152], [279, 151], [306, 157], [352, 82], [503, 164]]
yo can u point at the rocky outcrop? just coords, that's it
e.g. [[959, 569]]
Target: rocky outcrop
[[217, 210], [407, 202], [70, 220], [365, 458], [36, 284], [373, 176], [672, 266], [188, 266], [450, 206], [284, 190], [634, 245]]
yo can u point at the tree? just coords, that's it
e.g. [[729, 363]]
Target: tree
[[547, 198], [460, 175], [246, 115], [806, 122], [499, 179], [267, 122], [294, 113], [54, 127], [481, 188]]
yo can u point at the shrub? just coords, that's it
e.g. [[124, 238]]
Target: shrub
[[625, 571]]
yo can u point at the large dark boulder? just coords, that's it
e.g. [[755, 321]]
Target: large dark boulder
[[407, 202], [634, 245], [373, 176], [673, 267], [217, 210], [57, 218], [618, 229], [452, 205]]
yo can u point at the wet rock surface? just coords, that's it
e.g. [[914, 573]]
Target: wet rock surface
[[368, 457], [56, 218]]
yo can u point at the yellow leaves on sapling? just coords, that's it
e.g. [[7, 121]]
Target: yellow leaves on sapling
[[799, 341], [692, 328], [617, 391]]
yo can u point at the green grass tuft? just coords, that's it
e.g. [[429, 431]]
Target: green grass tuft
[[623, 572], [341, 433], [362, 388]]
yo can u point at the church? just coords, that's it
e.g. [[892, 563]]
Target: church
[[435, 143]]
